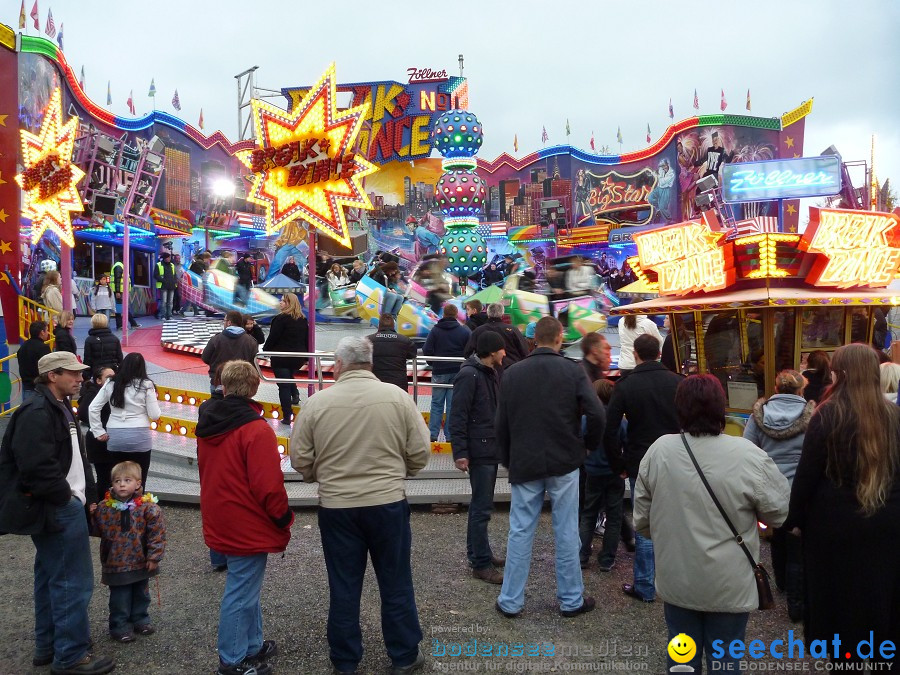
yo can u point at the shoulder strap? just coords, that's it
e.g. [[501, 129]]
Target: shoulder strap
[[737, 537]]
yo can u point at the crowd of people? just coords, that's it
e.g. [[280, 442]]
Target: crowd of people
[[817, 465]]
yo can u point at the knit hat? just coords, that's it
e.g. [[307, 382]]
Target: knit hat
[[488, 343]]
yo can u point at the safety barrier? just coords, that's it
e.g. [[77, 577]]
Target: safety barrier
[[319, 381], [31, 311]]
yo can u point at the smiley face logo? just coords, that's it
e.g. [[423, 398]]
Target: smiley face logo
[[682, 648]]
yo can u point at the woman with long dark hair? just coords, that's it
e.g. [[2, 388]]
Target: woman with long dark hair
[[289, 332], [133, 405], [845, 503], [631, 327]]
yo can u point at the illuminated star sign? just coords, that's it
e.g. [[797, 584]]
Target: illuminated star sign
[[50, 177], [305, 166]]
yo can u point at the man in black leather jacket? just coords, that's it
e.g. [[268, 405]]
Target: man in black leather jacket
[[45, 486], [390, 351], [471, 423]]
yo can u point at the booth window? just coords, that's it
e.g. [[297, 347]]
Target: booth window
[[684, 340], [141, 263], [83, 259], [726, 342], [103, 259]]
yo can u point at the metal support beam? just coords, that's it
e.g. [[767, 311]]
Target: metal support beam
[[246, 91]]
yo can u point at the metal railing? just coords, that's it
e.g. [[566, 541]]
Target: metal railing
[[31, 311], [319, 381]]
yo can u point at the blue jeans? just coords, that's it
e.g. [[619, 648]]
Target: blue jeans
[[482, 478], [129, 606], [348, 537], [524, 512], [704, 627], [602, 493], [392, 303], [644, 563], [63, 584], [166, 298], [240, 616], [439, 399], [217, 559]]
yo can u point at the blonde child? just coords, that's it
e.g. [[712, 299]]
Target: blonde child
[[132, 542]]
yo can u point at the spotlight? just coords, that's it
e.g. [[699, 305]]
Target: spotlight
[[707, 184]]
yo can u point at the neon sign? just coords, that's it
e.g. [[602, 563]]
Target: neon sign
[[400, 116], [305, 167], [781, 179], [686, 258], [855, 246], [49, 178], [613, 193]]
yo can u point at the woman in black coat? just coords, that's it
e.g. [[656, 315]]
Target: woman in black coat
[[845, 502], [98, 455], [64, 342], [289, 332], [101, 347]]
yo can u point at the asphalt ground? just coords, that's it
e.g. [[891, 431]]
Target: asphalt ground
[[455, 610]]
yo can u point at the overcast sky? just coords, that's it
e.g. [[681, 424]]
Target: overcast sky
[[601, 64]]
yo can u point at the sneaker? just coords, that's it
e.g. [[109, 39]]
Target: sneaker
[[285, 421], [220, 568], [488, 574], [269, 650], [245, 668], [606, 567], [412, 667], [587, 605], [145, 629], [122, 637], [89, 665]]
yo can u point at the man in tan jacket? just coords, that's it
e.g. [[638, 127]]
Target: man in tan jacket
[[360, 439]]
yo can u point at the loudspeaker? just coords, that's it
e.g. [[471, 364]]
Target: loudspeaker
[[707, 183]]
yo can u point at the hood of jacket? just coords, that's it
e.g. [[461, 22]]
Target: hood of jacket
[[218, 416], [474, 362], [448, 323], [783, 415], [234, 332]]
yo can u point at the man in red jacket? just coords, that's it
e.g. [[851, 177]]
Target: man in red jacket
[[245, 512]]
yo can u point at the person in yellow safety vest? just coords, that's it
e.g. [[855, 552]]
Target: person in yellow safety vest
[[118, 272], [166, 283]]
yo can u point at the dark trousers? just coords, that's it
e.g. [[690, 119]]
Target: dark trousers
[[349, 536], [104, 469], [129, 606], [787, 563], [482, 478], [704, 628], [602, 493], [286, 392]]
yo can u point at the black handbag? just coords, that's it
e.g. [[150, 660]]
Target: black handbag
[[763, 587]]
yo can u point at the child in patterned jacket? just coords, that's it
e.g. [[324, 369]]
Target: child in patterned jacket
[[132, 542]]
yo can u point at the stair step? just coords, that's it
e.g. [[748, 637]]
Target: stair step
[[432, 491]]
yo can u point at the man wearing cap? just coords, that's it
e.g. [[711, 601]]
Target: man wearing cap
[[166, 283], [471, 424], [45, 485]]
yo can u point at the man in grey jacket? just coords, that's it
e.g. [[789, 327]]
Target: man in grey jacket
[[359, 439]]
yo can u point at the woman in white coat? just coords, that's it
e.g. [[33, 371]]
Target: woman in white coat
[[631, 327]]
